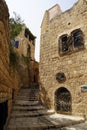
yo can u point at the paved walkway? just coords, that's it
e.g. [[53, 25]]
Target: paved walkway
[[81, 126], [29, 114]]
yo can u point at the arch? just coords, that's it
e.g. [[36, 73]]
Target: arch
[[63, 100]]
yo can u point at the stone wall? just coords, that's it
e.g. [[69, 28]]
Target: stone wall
[[26, 49], [23, 43], [5, 79], [73, 65], [8, 78]]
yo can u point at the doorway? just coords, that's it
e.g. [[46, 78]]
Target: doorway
[[63, 102]]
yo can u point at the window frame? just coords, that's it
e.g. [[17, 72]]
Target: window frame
[[70, 42], [61, 44], [81, 36]]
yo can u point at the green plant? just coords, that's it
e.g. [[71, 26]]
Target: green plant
[[13, 58], [26, 59], [15, 25]]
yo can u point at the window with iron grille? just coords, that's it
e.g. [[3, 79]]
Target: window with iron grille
[[74, 41], [63, 46], [77, 38]]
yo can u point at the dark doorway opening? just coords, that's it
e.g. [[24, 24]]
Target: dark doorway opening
[[3, 114], [63, 103]]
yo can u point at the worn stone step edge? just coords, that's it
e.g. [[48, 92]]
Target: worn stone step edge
[[21, 102], [48, 127], [26, 105], [27, 99], [28, 109], [37, 113]]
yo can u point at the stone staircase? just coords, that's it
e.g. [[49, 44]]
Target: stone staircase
[[29, 114]]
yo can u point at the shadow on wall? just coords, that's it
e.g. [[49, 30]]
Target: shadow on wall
[[44, 98]]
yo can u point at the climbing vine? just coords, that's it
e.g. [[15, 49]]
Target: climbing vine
[[16, 24], [14, 59], [26, 59]]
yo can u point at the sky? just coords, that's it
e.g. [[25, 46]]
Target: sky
[[32, 12]]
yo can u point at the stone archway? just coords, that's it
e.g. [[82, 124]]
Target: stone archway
[[63, 101]]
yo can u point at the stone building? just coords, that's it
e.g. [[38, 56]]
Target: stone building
[[27, 64], [63, 59]]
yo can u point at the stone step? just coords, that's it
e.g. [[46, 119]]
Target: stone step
[[18, 114], [49, 122], [26, 103], [34, 99], [26, 98], [29, 90], [29, 114], [26, 108], [28, 94], [34, 92]]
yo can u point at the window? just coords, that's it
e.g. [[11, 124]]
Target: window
[[63, 46], [74, 41], [77, 38]]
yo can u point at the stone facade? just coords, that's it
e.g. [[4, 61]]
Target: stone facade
[[63, 66], [26, 50], [22, 52], [24, 43]]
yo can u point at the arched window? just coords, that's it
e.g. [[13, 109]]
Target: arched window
[[63, 46], [77, 36]]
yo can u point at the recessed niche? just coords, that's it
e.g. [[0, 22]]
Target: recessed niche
[[69, 23], [60, 77]]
